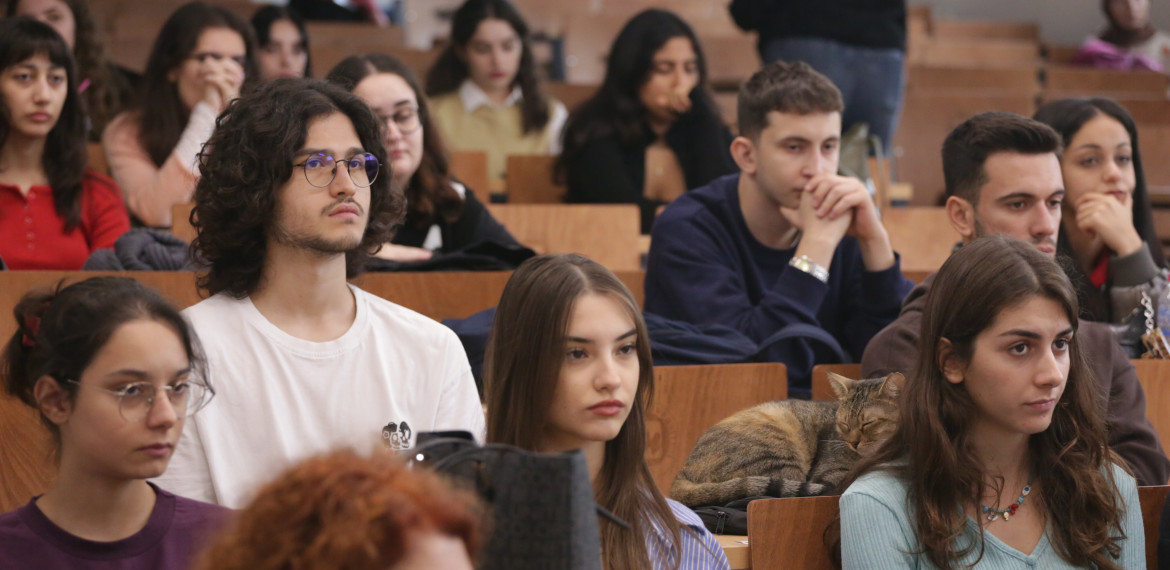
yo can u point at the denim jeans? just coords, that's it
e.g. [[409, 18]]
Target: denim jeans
[[870, 79]]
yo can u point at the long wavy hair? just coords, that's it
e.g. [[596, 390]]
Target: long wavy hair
[[616, 109], [521, 369], [250, 156], [343, 511], [65, 154], [932, 449], [161, 113], [429, 194], [108, 92], [266, 16], [59, 331], [450, 70], [1066, 117]]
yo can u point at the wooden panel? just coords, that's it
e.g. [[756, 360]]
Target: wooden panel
[[982, 29], [737, 549], [529, 180], [331, 42], [1154, 376], [570, 94], [1152, 500], [786, 534], [96, 158], [922, 235], [181, 221], [1155, 146], [929, 78], [926, 121], [1086, 81], [821, 390], [26, 453], [327, 54], [731, 60], [977, 52], [690, 399], [587, 41], [606, 233], [471, 168], [1060, 55]]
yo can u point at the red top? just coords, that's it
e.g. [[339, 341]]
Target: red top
[[32, 234]]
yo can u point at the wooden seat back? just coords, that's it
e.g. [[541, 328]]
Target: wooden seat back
[[96, 158], [26, 453], [789, 533], [923, 236], [471, 168], [821, 390], [690, 399], [1071, 80], [606, 233], [529, 180], [331, 42], [928, 118], [571, 94], [1152, 500], [1154, 140], [1154, 376]]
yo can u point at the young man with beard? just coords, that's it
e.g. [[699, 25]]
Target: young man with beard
[[291, 200], [1002, 175], [786, 241]]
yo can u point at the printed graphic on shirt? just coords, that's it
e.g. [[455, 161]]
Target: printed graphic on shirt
[[396, 436]]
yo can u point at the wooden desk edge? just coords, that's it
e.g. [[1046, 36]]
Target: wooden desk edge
[[738, 552]]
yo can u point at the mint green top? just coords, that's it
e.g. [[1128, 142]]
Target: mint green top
[[877, 531]]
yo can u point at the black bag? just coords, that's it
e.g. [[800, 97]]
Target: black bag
[[543, 512], [728, 519]]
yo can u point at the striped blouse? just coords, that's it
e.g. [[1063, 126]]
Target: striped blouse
[[700, 550]]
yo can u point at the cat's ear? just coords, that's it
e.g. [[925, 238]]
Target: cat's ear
[[841, 385], [892, 385], [949, 362]]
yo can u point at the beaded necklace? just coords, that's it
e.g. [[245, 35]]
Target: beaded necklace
[[1011, 510]]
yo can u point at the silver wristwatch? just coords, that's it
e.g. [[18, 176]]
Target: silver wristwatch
[[803, 263]]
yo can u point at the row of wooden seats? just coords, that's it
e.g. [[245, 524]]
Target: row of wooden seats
[[607, 233]]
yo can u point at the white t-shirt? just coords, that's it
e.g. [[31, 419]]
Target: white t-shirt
[[280, 399]]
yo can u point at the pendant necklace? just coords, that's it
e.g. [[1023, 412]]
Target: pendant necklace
[[1007, 513]]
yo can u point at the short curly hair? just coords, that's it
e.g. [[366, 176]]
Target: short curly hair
[[250, 156], [344, 511]]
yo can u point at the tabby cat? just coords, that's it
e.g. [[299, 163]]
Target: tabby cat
[[790, 448]]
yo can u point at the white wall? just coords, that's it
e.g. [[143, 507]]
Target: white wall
[[1064, 22]]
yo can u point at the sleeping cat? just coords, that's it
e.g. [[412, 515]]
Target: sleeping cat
[[790, 448]]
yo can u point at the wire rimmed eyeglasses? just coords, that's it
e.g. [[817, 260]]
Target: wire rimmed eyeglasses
[[135, 400], [408, 119], [320, 169]]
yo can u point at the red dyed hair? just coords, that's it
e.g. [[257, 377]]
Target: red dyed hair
[[342, 510]]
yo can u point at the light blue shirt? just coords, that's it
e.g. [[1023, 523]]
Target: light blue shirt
[[877, 531], [700, 550]]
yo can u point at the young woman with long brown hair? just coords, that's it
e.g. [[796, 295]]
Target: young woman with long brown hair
[[1000, 458], [568, 366]]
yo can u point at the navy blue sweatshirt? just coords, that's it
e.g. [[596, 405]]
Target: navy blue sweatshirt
[[705, 267]]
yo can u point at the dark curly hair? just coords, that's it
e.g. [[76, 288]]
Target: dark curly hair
[[250, 155]]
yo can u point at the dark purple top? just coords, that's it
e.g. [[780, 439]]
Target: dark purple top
[[171, 539]]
